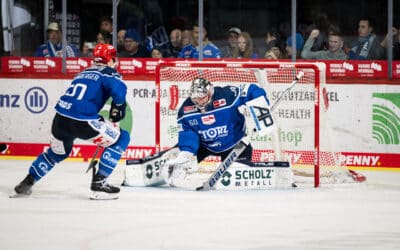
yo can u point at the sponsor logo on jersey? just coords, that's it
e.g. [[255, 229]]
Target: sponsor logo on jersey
[[212, 133], [219, 103], [189, 109], [208, 119]]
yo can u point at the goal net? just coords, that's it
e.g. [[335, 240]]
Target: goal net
[[302, 135]]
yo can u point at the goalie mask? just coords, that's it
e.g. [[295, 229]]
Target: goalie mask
[[201, 92]]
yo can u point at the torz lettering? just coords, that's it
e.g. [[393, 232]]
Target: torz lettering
[[214, 132]]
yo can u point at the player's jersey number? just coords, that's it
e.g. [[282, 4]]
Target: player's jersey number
[[76, 90]]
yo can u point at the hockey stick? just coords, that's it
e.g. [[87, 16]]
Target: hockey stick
[[93, 161], [224, 165], [239, 147], [150, 157]]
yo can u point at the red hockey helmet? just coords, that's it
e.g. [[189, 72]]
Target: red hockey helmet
[[103, 53]]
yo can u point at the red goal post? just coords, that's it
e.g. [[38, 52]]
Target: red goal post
[[298, 116]]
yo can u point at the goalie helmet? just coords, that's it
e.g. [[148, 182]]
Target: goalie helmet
[[104, 53], [199, 89]]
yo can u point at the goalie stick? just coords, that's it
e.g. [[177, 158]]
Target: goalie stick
[[239, 147]]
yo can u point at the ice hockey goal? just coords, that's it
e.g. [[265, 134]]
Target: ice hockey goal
[[302, 132]]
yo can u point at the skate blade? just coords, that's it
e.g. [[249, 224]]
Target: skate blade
[[18, 195], [96, 195]]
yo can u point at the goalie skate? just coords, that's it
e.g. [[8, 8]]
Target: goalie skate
[[24, 188], [101, 190]]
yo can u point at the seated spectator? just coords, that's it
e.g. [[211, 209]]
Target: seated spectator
[[53, 46], [245, 47], [321, 23], [175, 41], [334, 52], [396, 43], [156, 53], [106, 24], [120, 39], [228, 49], [272, 39], [87, 49], [274, 53], [298, 46], [104, 37], [367, 47], [191, 50], [187, 37], [132, 46]]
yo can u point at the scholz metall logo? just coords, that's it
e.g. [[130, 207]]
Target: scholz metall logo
[[36, 100]]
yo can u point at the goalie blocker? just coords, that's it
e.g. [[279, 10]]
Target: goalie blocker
[[241, 175]]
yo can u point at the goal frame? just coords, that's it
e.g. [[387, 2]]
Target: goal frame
[[261, 65]]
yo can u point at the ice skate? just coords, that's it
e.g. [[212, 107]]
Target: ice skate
[[101, 190], [24, 188]]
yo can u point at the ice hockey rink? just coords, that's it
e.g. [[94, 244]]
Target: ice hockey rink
[[59, 215]]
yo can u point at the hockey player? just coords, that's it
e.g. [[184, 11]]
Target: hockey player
[[210, 123], [77, 117]]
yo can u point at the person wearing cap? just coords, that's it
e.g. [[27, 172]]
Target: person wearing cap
[[231, 45], [132, 46], [53, 46]]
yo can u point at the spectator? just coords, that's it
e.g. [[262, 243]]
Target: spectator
[[104, 37], [334, 52], [175, 39], [120, 39], [156, 53], [87, 49], [232, 41], [191, 50], [132, 46], [298, 45], [396, 43], [322, 24], [106, 24], [53, 46], [187, 37], [272, 39], [274, 53], [367, 46], [245, 47]]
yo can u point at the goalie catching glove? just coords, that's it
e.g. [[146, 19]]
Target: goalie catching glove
[[177, 169], [117, 112]]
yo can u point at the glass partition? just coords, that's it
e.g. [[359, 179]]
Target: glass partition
[[239, 29]]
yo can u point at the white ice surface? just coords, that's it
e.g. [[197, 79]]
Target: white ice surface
[[59, 215]]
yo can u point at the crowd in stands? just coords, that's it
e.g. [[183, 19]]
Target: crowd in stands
[[322, 40]]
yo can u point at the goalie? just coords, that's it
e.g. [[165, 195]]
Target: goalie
[[210, 123]]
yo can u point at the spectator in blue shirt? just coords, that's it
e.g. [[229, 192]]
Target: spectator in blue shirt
[[53, 47], [192, 50]]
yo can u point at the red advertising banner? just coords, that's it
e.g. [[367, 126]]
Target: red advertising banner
[[362, 69]]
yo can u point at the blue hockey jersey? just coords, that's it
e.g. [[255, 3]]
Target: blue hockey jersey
[[209, 51], [221, 126], [89, 91]]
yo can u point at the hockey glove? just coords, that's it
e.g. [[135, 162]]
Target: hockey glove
[[117, 112]]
